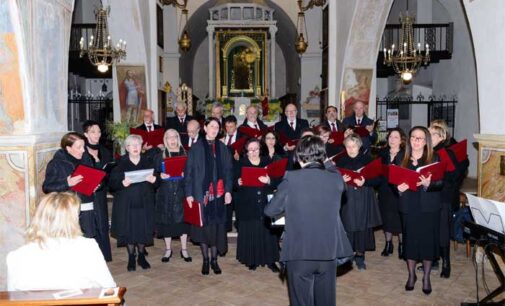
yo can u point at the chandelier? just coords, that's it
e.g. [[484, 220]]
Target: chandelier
[[100, 50], [302, 37], [406, 59], [184, 39]]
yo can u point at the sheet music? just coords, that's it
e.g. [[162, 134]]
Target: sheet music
[[138, 176], [488, 213], [279, 220]]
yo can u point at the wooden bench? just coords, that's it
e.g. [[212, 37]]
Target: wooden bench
[[45, 297]]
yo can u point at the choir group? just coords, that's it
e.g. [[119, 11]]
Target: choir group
[[218, 155]]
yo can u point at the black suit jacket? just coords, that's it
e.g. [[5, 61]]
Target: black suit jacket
[[284, 127], [261, 125], [310, 200], [181, 128], [144, 127], [340, 126], [350, 122]]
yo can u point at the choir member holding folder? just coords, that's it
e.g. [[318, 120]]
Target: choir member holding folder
[[256, 242], [60, 177], [361, 124], [360, 212], [450, 193], [100, 157], [420, 208], [169, 213], [133, 206], [209, 182], [388, 197], [333, 145], [271, 148]]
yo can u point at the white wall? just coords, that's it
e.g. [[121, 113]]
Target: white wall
[[280, 73]]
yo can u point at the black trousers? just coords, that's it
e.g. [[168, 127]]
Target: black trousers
[[312, 282]]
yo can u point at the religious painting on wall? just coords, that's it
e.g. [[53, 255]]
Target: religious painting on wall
[[132, 92], [11, 97], [356, 87], [492, 173]]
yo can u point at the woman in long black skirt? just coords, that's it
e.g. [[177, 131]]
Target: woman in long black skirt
[[209, 181], [420, 209], [256, 242], [392, 154], [169, 211]]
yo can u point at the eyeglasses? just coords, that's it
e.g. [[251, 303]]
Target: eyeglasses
[[253, 150], [269, 138], [417, 138]]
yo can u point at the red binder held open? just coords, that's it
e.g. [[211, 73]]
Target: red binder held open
[[252, 132], [277, 168], [353, 174], [338, 138], [284, 140], [399, 175], [193, 214], [445, 158], [153, 138], [238, 145], [91, 178], [460, 150], [250, 176], [174, 166], [361, 131], [372, 170]]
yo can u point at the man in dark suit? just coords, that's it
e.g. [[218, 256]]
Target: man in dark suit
[[149, 126], [331, 120], [291, 126], [252, 120], [359, 118], [194, 133], [180, 122], [314, 236]]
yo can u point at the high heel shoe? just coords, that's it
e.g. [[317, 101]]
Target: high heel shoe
[[186, 259], [427, 289], [215, 267], [205, 267], [400, 251], [141, 260], [166, 258], [388, 249], [410, 287]]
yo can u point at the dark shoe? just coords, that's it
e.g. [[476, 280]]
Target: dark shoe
[[273, 267], [400, 251], [446, 263], [141, 260], [360, 262], [215, 267], [205, 267], [409, 286], [131, 263], [166, 258], [427, 287], [186, 259], [252, 267], [388, 249]]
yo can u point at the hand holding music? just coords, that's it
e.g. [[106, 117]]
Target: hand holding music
[[127, 182], [74, 180], [240, 182], [402, 187], [151, 179], [425, 181], [227, 198], [359, 182], [346, 178], [190, 200], [164, 176], [264, 179]]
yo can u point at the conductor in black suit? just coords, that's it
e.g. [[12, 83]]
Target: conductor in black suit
[[314, 234], [291, 126], [359, 118], [180, 121]]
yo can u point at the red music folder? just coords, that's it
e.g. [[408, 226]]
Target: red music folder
[[153, 138], [399, 175], [445, 158], [338, 138], [385, 170], [91, 178], [460, 150], [250, 175], [238, 145], [353, 174], [277, 168], [174, 166], [193, 214], [284, 140], [372, 170], [252, 132], [437, 171], [361, 131]]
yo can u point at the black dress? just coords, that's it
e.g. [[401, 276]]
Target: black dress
[[133, 206], [58, 169], [421, 220], [209, 162], [256, 242], [388, 196], [360, 212], [169, 212], [100, 203]]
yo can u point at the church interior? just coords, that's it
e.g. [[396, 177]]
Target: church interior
[[63, 62]]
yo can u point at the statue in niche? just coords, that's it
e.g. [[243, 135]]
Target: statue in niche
[[241, 73], [170, 101], [185, 95]]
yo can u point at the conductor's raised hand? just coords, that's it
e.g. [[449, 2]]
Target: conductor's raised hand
[[74, 180]]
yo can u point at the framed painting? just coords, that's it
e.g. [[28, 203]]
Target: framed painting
[[356, 87], [131, 80]]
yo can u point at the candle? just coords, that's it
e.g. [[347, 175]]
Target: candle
[[342, 104]]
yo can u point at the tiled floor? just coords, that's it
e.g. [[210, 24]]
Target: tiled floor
[[180, 283]]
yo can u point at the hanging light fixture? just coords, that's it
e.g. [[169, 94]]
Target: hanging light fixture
[[100, 49], [302, 37], [406, 59], [184, 39]]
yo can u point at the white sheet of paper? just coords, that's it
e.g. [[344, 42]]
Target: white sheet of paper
[[67, 293], [488, 213], [138, 176], [281, 220]]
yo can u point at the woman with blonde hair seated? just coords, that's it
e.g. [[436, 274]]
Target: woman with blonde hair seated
[[56, 255]]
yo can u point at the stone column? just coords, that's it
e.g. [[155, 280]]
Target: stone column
[[212, 83], [271, 88], [33, 107]]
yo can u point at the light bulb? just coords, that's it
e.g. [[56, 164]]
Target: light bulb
[[102, 67], [406, 77]]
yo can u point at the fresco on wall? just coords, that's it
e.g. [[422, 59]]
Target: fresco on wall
[[11, 96], [492, 174], [132, 92], [356, 87]]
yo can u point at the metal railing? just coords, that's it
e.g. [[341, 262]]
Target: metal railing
[[438, 35], [82, 109]]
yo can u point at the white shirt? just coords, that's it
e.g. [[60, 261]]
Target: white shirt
[[254, 125], [233, 138], [330, 125], [294, 124], [190, 141], [62, 264]]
